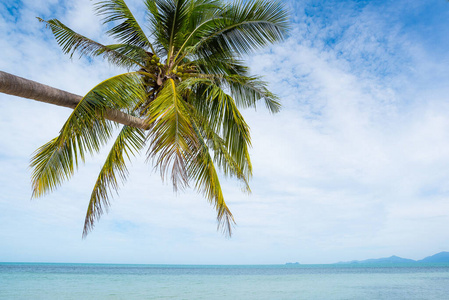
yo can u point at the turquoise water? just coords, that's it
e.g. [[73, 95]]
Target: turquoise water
[[104, 281]]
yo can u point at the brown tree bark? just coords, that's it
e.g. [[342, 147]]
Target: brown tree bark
[[25, 88]]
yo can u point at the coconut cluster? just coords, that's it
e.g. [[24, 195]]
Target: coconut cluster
[[180, 71], [156, 61]]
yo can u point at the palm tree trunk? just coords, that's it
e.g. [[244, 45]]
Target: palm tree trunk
[[21, 87]]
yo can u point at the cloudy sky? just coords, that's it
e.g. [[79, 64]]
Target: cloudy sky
[[355, 166]]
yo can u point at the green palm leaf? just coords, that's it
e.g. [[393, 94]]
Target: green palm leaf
[[247, 91], [222, 157], [129, 30], [243, 28], [223, 116], [129, 141], [85, 131], [200, 11], [133, 52], [72, 42], [171, 134], [202, 169], [168, 20]]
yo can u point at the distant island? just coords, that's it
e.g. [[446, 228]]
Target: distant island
[[442, 257]]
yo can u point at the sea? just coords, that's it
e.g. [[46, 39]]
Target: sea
[[119, 281]]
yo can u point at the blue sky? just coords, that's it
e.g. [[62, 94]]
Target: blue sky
[[355, 166]]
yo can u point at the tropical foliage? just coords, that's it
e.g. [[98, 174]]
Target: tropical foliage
[[187, 81]]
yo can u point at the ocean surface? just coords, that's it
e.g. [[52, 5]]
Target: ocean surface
[[109, 281]]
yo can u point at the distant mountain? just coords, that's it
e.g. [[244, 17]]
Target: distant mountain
[[442, 257], [386, 260]]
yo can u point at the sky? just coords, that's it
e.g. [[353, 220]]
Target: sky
[[355, 166]]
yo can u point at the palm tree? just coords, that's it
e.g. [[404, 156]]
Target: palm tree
[[187, 84]]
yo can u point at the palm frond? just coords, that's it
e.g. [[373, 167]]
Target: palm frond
[[220, 64], [201, 14], [135, 53], [200, 11], [171, 134], [244, 27], [129, 30], [224, 113], [129, 141], [247, 91], [168, 20], [222, 157], [176, 20], [218, 111], [202, 169], [157, 28], [85, 131], [72, 42]]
